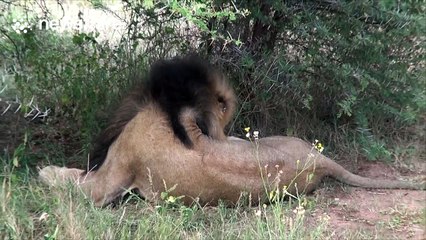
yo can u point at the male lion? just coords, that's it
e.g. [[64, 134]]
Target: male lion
[[174, 84]]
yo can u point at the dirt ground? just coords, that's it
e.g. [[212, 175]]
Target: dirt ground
[[357, 213], [12, 126]]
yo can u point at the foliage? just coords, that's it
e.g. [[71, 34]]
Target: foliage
[[348, 73], [317, 67]]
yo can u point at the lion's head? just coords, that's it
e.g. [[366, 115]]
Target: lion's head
[[192, 83]]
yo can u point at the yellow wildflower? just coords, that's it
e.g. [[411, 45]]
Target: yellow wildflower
[[171, 199]]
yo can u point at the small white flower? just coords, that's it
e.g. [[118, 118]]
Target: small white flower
[[248, 135], [256, 134], [299, 210], [258, 213]]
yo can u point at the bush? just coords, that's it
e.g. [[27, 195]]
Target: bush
[[330, 68], [350, 73]]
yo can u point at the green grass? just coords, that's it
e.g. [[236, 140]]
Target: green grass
[[30, 210]]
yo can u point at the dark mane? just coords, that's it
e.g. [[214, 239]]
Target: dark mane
[[179, 83]]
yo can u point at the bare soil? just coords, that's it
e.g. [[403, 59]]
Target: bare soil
[[357, 213], [12, 126]]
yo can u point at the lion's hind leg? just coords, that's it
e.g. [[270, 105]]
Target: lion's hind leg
[[102, 186]]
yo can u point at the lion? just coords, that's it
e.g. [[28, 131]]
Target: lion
[[175, 84], [148, 157]]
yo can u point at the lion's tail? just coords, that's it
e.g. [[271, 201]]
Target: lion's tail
[[347, 177]]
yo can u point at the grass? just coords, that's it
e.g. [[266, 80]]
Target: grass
[[30, 210]]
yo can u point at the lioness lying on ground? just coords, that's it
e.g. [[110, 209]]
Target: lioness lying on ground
[[147, 156]]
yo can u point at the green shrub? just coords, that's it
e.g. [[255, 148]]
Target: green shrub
[[348, 73], [323, 69]]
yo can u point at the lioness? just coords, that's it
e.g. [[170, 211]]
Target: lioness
[[147, 156]]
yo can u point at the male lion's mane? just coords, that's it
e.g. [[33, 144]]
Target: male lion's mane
[[191, 83]]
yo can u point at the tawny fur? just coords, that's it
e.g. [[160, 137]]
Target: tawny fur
[[147, 156], [127, 110]]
